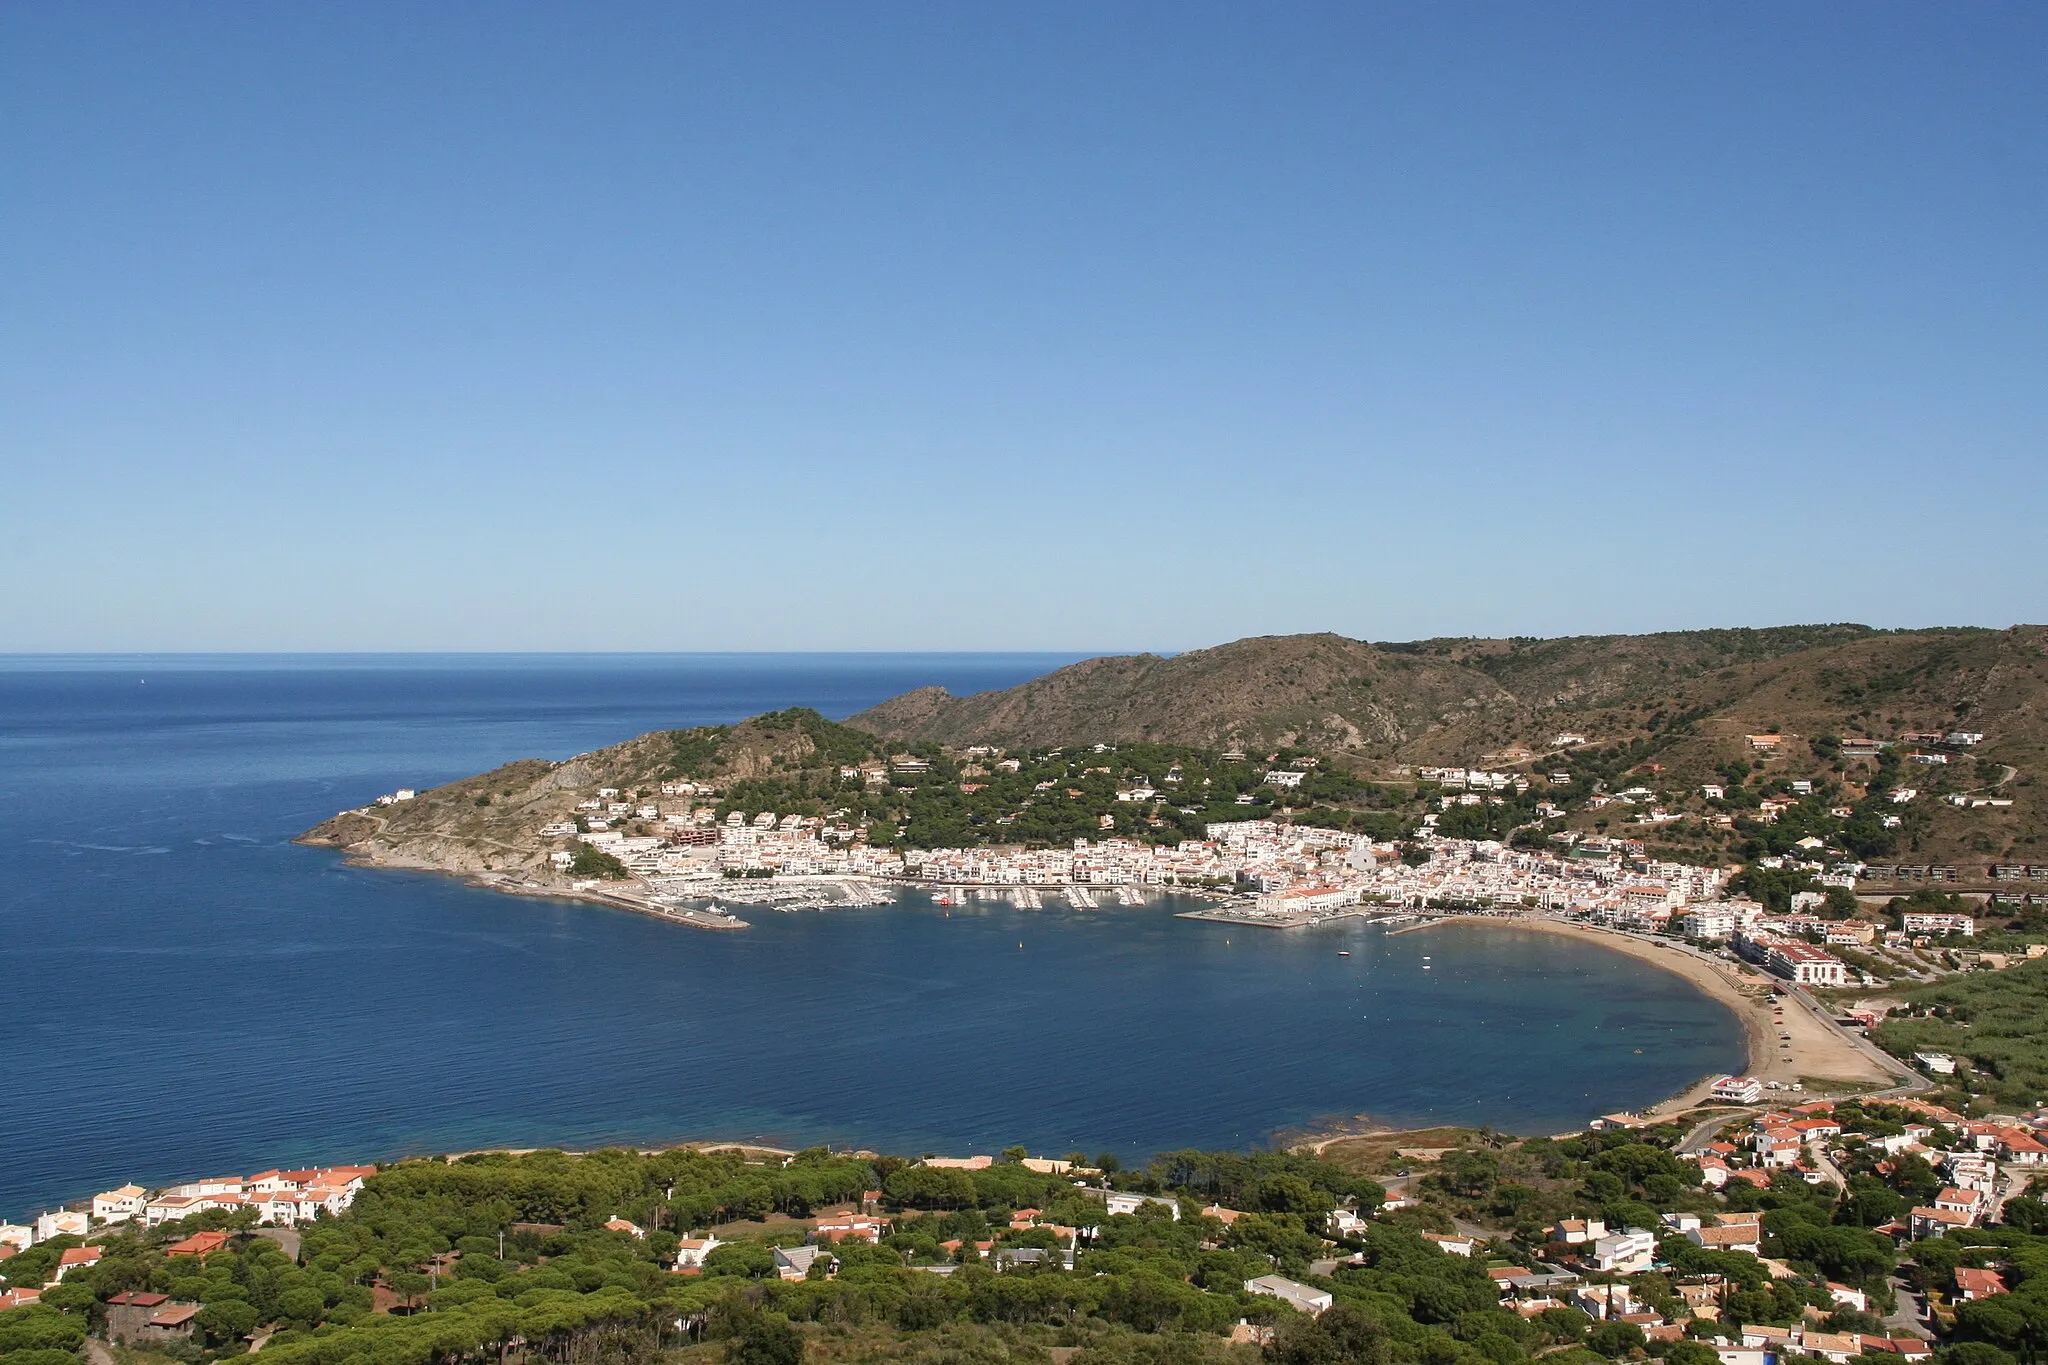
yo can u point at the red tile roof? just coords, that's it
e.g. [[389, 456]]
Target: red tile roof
[[198, 1244]]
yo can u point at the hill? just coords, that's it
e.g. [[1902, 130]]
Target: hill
[[1679, 705], [487, 823], [1580, 720]]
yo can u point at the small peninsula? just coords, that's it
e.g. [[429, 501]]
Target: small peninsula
[[1795, 760]]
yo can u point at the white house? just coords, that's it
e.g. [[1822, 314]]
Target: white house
[[1456, 1246], [1303, 1297], [1603, 1301], [794, 1263], [1739, 1089], [119, 1206], [1343, 1223], [691, 1251], [1625, 1253], [62, 1223], [1849, 1297], [78, 1258], [1117, 1201]]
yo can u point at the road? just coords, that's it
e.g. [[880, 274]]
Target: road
[[2010, 1183], [1698, 1139], [1905, 1319], [1827, 1165], [1910, 1082]]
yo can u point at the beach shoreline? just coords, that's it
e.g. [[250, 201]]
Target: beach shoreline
[[1790, 1047]]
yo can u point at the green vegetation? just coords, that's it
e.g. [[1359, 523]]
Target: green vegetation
[[586, 860], [505, 1257], [695, 753], [1050, 797], [441, 1261], [1995, 1024], [798, 733]]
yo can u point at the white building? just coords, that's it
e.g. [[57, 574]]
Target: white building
[[1116, 1201], [62, 1223], [1940, 925], [1709, 921], [1304, 899], [1806, 964], [691, 1251], [1737, 1089], [1576, 1231], [119, 1206], [1625, 1253], [1304, 1298], [794, 1263]]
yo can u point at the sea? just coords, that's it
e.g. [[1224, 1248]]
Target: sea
[[188, 993]]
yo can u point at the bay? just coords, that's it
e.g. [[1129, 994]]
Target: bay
[[190, 993]]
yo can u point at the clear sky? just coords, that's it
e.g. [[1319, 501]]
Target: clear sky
[[1088, 326]]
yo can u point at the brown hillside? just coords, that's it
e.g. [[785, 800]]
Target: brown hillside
[[486, 823], [1686, 700]]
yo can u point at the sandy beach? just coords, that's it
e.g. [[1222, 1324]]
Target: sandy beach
[[1815, 1050]]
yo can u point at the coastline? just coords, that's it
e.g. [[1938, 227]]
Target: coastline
[[1816, 1050], [510, 884]]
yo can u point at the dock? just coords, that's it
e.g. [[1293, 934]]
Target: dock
[[1243, 914]]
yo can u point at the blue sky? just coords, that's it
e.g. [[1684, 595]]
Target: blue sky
[[1090, 326]]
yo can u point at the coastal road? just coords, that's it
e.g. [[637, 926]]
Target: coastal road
[[1702, 1135]]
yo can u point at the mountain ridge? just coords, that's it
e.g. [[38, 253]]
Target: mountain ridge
[[1328, 691], [1680, 705]]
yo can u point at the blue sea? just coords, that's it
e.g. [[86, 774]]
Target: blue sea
[[188, 993]]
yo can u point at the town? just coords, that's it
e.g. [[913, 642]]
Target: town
[[1827, 1230]]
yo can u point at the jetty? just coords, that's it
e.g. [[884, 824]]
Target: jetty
[[1246, 913]]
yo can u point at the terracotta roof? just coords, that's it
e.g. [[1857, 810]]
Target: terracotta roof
[[1982, 1283], [198, 1244], [1942, 1216]]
